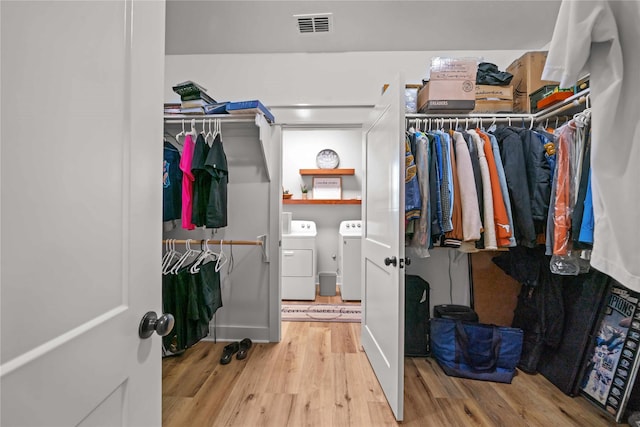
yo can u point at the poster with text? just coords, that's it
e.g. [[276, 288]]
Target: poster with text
[[613, 360]]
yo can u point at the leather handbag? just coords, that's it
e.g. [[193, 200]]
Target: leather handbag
[[476, 350]]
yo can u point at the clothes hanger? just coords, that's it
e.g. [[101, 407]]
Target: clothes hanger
[[531, 125], [167, 254], [182, 133], [183, 259], [193, 132], [166, 268], [205, 253], [222, 258], [209, 134]]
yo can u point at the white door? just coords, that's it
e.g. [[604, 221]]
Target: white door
[[81, 165], [383, 244]]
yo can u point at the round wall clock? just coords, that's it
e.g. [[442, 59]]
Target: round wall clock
[[327, 159]]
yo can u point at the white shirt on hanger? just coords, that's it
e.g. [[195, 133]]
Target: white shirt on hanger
[[602, 37]]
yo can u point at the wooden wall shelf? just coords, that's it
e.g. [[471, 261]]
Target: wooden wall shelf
[[327, 171], [321, 202]]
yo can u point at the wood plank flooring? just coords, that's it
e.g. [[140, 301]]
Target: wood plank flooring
[[318, 375]]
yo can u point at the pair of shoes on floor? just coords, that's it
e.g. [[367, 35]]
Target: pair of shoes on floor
[[242, 348]]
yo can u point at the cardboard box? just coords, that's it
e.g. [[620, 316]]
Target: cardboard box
[[491, 92], [443, 68], [447, 95], [484, 106], [527, 73]]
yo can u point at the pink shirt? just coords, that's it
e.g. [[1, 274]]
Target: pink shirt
[[187, 182]]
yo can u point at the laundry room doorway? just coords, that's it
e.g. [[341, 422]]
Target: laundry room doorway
[[322, 175]]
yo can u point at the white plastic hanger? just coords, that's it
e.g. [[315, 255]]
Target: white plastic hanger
[[222, 258], [202, 257], [166, 268], [209, 134], [183, 259], [193, 131], [180, 133]]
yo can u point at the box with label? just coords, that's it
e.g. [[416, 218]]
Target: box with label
[[484, 106], [527, 73], [443, 68], [447, 95], [492, 92]]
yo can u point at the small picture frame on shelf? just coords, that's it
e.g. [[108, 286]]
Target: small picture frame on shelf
[[329, 188]]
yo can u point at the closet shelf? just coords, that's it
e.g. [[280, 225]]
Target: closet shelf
[[566, 106], [237, 121], [321, 202], [327, 172]]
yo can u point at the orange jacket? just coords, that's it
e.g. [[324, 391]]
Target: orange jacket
[[500, 217]]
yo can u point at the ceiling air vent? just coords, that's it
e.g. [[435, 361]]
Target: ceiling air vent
[[314, 23]]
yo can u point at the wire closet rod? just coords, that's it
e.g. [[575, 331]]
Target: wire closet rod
[[215, 242]]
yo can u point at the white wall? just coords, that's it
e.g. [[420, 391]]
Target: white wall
[[299, 150], [308, 78]]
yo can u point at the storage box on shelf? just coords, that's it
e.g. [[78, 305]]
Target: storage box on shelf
[[451, 86], [548, 95], [527, 73], [493, 99]]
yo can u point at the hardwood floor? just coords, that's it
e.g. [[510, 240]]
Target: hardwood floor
[[318, 375]]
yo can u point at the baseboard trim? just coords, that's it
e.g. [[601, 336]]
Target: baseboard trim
[[237, 333]]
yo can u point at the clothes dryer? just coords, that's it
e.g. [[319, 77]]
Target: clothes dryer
[[349, 263], [299, 265]]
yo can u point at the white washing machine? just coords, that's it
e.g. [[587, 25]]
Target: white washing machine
[[349, 253], [299, 266]]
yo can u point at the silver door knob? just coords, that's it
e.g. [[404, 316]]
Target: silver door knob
[[151, 322]]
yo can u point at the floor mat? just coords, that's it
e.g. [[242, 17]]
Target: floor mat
[[321, 313]]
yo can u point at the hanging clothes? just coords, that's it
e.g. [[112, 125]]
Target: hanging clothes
[[411, 186], [193, 298], [446, 186], [490, 241], [454, 238], [562, 199], [471, 221], [216, 166], [503, 186], [421, 237], [171, 183], [201, 182], [500, 219], [477, 178], [187, 182], [435, 183], [513, 161]]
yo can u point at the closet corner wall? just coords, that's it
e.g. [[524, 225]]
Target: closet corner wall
[[250, 284]]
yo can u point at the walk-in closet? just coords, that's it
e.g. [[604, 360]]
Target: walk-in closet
[[87, 333]]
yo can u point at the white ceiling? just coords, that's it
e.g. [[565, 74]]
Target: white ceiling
[[217, 27]]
